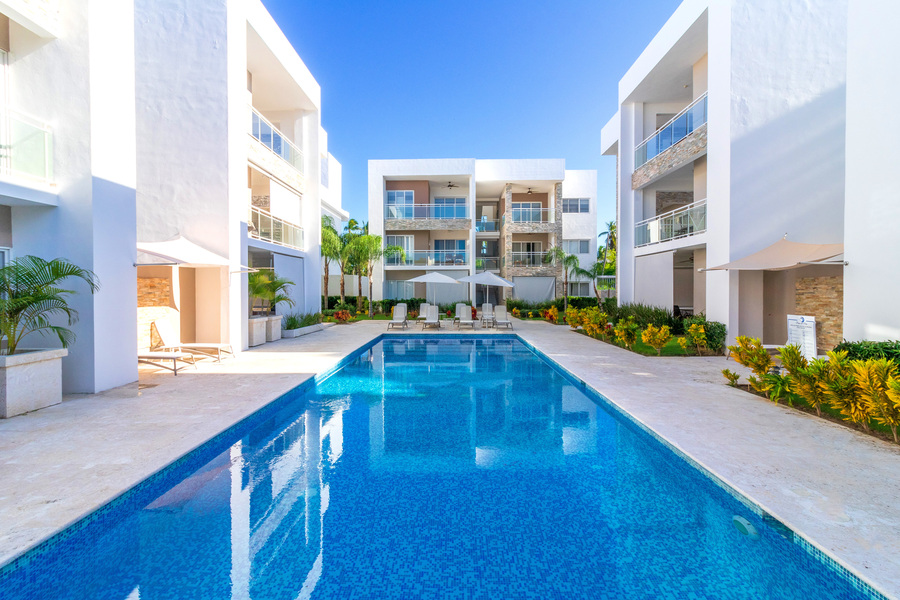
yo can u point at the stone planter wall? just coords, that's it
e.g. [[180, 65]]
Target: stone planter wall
[[273, 328], [292, 333], [256, 331], [30, 380]]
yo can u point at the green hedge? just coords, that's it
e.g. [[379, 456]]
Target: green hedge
[[866, 350]]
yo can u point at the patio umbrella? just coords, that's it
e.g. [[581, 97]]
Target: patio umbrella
[[433, 277], [487, 278]]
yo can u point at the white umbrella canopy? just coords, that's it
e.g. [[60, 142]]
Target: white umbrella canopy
[[433, 277], [487, 278]]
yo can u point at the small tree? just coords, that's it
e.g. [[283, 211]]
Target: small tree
[[595, 274], [366, 251], [569, 264], [31, 296], [656, 337], [331, 251]]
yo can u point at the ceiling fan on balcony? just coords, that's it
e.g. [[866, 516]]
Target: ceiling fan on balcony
[[450, 185]]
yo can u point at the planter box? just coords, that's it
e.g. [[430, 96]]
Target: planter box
[[256, 331], [273, 328], [292, 333], [30, 380]]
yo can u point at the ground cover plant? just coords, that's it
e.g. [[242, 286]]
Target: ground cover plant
[[298, 320]]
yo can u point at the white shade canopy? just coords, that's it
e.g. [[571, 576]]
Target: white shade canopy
[[178, 251], [783, 255], [433, 278], [487, 278]]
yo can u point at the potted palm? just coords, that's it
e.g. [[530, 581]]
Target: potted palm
[[258, 288], [31, 299], [277, 294]]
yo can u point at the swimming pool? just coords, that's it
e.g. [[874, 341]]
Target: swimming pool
[[426, 467]]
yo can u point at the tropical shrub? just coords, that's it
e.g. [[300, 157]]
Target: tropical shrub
[[656, 337], [627, 331], [873, 380], [516, 313], [695, 338], [31, 295], [805, 376], [594, 322], [750, 353], [553, 315], [342, 316], [867, 350], [645, 315], [839, 389], [573, 317], [731, 376], [715, 331]]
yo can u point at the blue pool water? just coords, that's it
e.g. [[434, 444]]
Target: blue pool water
[[429, 468]]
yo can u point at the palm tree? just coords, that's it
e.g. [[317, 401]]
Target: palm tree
[[269, 288], [569, 264], [595, 273], [30, 296], [331, 251], [367, 250]]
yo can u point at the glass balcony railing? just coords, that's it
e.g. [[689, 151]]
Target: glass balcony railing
[[274, 140], [487, 263], [679, 223], [428, 258], [487, 225], [679, 127], [528, 259], [27, 149], [426, 211], [264, 226], [530, 215]]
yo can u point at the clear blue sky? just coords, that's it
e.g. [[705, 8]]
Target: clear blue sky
[[469, 79]]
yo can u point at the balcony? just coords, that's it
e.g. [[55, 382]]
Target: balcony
[[528, 259], [487, 263], [428, 258], [487, 226], [530, 215], [679, 223], [263, 226], [266, 134], [679, 127], [26, 150], [425, 211]]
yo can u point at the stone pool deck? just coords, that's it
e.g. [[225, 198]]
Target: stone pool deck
[[838, 488]]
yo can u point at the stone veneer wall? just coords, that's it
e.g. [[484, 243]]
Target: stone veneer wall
[[666, 201], [823, 298], [154, 302], [262, 202], [427, 224], [274, 166], [688, 149], [508, 228]]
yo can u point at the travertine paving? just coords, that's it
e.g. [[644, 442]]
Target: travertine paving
[[835, 486]]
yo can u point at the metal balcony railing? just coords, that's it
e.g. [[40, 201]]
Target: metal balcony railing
[[274, 140], [487, 225], [678, 128], [428, 258], [528, 259], [426, 211], [26, 149], [264, 226], [679, 223], [530, 215], [487, 263]]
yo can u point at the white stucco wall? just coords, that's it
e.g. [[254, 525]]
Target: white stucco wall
[[654, 283], [581, 226], [82, 83], [872, 177]]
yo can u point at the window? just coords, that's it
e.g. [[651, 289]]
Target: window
[[405, 242], [450, 252], [399, 204], [576, 205], [449, 208], [576, 246], [527, 212], [581, 289]]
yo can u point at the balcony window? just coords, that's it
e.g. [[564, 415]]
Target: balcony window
[[576, 205], [576, 246], [449, 208], [678, 128], [269, 136], [528, 212], [675, 224], [399, 204]]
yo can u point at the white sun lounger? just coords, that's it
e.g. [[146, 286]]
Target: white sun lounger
[[157, 360], [501, 318], [170, 341], [432, 318], [423, 312], [464, 316], [399, 317], [487, 315]]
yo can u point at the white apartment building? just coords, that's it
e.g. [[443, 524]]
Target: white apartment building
[[730, 134], [232, 158], [67, 168], [463, 216]]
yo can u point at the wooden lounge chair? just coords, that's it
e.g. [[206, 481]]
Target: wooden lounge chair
[[169, 341], [157, 359], [399, 317], [432, 319], [501, 317]]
